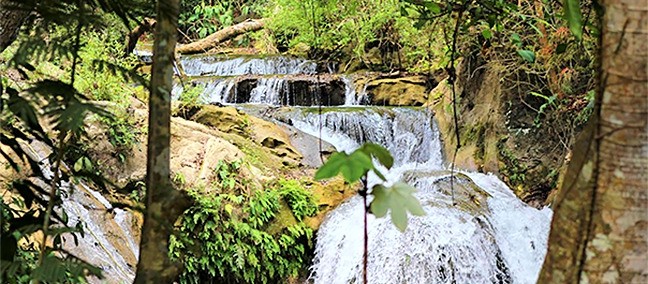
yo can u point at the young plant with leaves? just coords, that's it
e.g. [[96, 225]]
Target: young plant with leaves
[[397, 198]]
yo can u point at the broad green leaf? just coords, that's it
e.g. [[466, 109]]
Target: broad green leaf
[[398, 199], [356, 166], [433, 7], [78, 165], [515, 38], [527, 55], [351, 166], [379, 152], [399, 217], [574, 17], [487, 34], [380, 203], [332, 166]]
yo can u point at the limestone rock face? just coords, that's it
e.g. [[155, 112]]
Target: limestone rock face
[[402, 91], [264, 133], [196, 150]]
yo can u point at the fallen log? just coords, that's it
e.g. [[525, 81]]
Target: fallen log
[[220, 36], [146, 25]]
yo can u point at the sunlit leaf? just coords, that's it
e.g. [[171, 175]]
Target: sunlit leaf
[[433, 7], [574, 17], [352, 167], [487, 34], [527, 55]]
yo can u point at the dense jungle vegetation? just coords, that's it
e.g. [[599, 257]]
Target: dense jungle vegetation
[[68, 77]]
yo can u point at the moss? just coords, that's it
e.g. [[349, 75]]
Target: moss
[[282, 220]]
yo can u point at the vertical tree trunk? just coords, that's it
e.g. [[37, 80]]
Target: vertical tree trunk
[[11, 19], [163, 203], [600, 229]]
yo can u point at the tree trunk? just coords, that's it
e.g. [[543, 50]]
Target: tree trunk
[[220, 36], [163, 203], [600, 229], [11, 19]]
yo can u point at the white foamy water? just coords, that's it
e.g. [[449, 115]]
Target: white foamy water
[[501, 241], [107, 242], [206, 65], [351, 95]]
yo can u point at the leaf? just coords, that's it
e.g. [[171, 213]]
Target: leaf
[[574, 17], [78, 165], [561, 48], [399, 199], [229, 208], [515, 38], [380, 203], [351, 166], [433, 7], [379, 152], [399, 218], [487, 34], [527, 55]]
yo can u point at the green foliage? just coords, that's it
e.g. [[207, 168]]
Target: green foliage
[[352, 167], [328, 27], [299, 200], [224, 238], [228, 174], [56, 86], [199, 18], [398, 197], [574, 17], [19, 262]]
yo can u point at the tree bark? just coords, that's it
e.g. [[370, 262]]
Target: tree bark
[[608, 213], [133, 37], [220, 36], [11, 19], [163, 203]]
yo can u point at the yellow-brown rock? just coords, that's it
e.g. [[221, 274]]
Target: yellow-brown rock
[[402, 91]]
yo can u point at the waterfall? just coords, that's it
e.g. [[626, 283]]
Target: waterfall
[[214, 66], [408, 133], [490, 236], [351, 95], [108, 241], [270, 91]]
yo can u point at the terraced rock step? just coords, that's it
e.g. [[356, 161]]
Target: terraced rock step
[[294, 90]]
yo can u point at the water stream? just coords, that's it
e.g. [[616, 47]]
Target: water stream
[[500, 241], [489, 236], [108, 240]]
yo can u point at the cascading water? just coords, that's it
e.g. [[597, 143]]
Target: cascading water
[[209, 65], [487, 237], [269, 90], [108, 241], [267, 80], [477, 233]]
